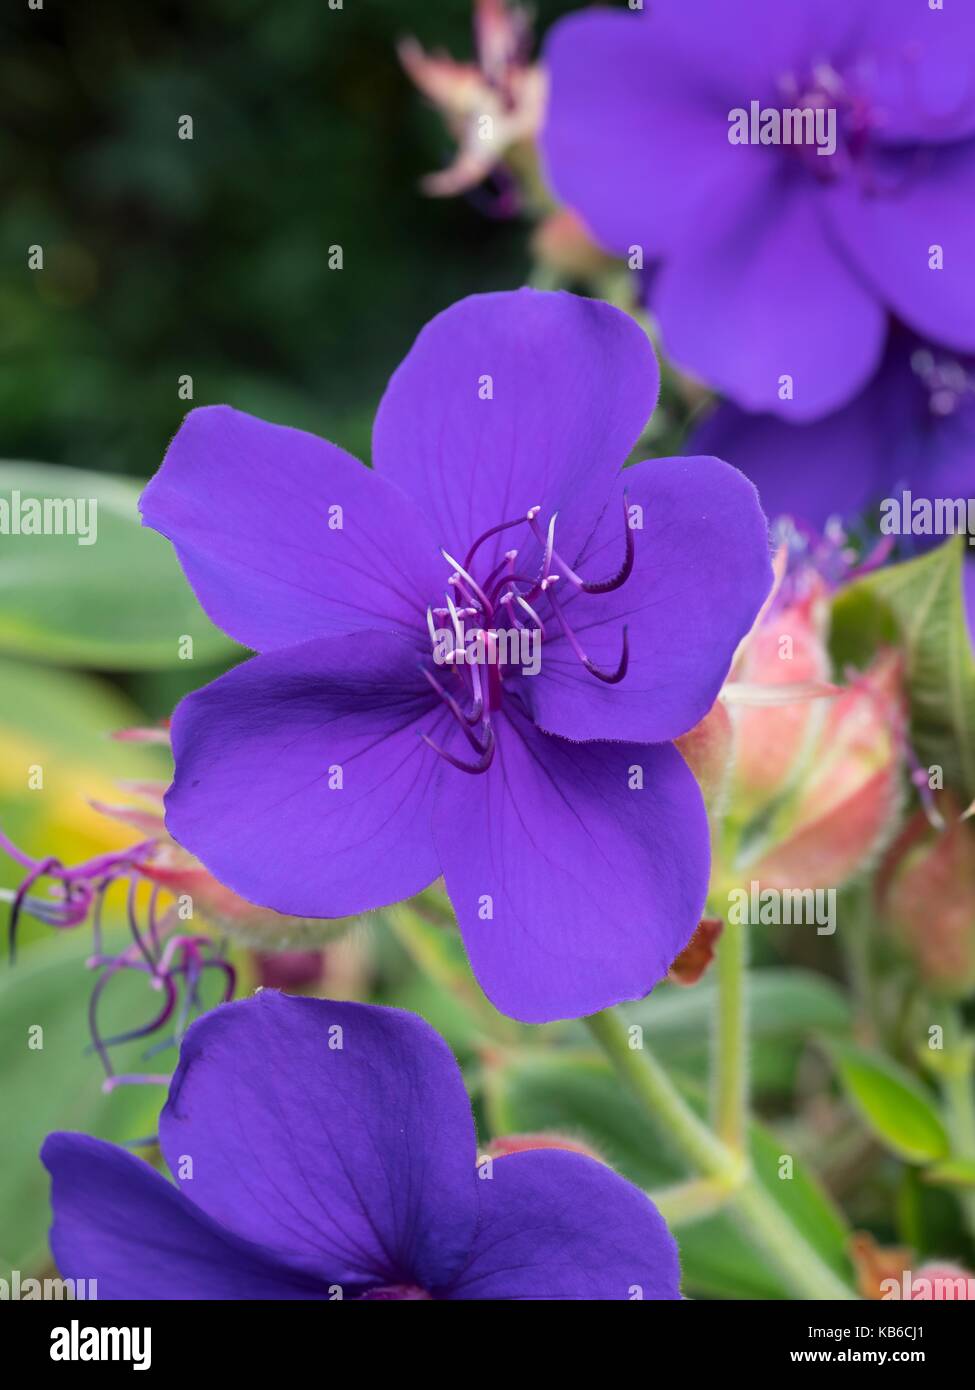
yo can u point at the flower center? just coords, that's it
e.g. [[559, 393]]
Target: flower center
[[491, 626], [826, 122], [947, 381]]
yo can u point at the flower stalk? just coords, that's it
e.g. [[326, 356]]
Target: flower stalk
[[760, 1218]]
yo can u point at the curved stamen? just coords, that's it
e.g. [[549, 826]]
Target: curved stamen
[[455, 709], [613, 677], [458, 626], [606, 586], [483, 763], [469, 580], [506, 564], [610, 677], [523, 603], [43, 867], [494, 530]]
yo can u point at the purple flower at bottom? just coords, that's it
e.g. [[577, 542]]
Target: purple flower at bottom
[[326, 1151], [371, 748], [801, 170]]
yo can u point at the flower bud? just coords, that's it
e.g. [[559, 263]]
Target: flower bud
[[844, 808], [785, 656], [926, 892], [707, 751], [523, 1143]]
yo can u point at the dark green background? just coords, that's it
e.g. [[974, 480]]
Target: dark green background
[[209, 257]]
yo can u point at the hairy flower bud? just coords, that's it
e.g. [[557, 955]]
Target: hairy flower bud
[[926, 891], [845, 807]]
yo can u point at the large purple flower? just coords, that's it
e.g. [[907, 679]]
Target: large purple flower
[[777, 260], [346, 767], [327, 1151]]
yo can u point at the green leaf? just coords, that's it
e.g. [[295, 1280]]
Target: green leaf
[[57, 1086], [120, 603], [924, 601], [954, 1172], [577, 1094], [891, 1101]]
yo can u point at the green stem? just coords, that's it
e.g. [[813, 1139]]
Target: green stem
[[958, 1090], [759, 1217], [666, 1106], [762, 1221], [730, 1040], [428, 946]]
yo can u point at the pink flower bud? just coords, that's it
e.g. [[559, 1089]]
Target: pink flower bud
[[785, 655], [926, 891], [848, 801], [707, 751], [522, 1143]]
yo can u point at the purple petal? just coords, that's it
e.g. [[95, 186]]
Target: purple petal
[[574, 888], [118, 1222], [887, 438], [635, 131], [968, 582], [700, 576], [559, 1225], [775, 320], [250, 509], [573, 381], [924, 198], [336, 1134], [919, 71], [301, 781]]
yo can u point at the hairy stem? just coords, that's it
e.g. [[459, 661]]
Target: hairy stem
[[730, 1040], [758, 1216]]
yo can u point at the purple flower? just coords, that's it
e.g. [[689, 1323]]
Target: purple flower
[[371, 747], [327, 1150], [777, 259], [912, 429]]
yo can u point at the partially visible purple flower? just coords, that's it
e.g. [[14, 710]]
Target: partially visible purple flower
[[173, 960], [345, 768], [912, 428], [776, 260], [327, 1151]]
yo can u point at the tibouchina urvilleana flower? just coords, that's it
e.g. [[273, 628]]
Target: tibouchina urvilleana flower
[[327, 1151], [912, 430], [472, 657], [809, 167], [902, 452]]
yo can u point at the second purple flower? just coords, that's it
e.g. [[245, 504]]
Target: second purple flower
[[474, 657]]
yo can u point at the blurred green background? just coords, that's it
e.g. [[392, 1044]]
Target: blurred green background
[[167, 256]]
